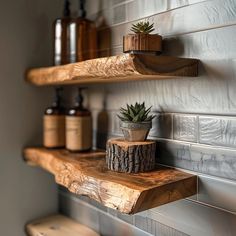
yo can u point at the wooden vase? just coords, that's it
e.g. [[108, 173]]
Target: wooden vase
[[130, 157], [151, 43]]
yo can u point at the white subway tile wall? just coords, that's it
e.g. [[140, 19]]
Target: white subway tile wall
[[195, 124]]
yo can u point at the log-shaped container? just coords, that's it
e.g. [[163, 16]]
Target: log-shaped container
[[138, 43], [130, 157]]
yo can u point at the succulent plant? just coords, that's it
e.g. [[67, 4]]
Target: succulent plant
[[142, 27], [135, 113]]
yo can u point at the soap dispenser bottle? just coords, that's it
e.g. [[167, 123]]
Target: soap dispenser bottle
[[54, 123], [61, 36], [83, 36], [78, 126]]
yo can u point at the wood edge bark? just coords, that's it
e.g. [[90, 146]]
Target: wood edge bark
[[76, 180]]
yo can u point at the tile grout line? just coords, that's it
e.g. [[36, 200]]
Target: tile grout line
[[79, 201]]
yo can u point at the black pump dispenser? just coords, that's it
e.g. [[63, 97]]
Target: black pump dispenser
[[82, 11], [66, 11], [57, 98], [78, 105], [80, 98], [56, 107]]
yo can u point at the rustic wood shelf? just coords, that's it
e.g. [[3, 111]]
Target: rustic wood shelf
[[87, 174], [125, 67], [58, 225]]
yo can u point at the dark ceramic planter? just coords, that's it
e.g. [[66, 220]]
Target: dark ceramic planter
[[135, 131]]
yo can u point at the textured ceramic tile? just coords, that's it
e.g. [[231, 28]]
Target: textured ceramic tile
[[217, 131], [127, 218], [111, 226], [141, 222], [93, 7], [119, 14], [112, 212], [154, 227], [98, 220], [207, 15], [199, 158], [162, 126], [115, 2], [139, 8], [185, 127], [181, 94], [195, 219], [217, 192], [79, 211], [161, 229]]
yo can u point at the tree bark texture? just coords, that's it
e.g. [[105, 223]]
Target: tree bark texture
[[130, 157]]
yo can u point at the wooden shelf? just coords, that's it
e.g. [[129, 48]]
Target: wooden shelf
[[58, 225], [125, 67], [87, 174]]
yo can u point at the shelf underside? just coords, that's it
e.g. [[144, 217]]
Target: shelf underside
[[87, 174], [125, 67]]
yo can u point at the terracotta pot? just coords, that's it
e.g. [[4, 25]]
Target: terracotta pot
[[135, 131], [151, 43]]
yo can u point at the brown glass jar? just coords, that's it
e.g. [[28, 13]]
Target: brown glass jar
[[83, 37], [62, 37], [78, 127], [54, 124]]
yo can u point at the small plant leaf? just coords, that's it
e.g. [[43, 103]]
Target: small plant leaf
[[142, 27], [135, 113]]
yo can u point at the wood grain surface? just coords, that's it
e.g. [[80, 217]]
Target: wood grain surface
[[87, 174], [130, 157], [125, 67], [58, 225]]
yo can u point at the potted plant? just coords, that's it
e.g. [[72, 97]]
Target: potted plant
[[142, 41], [136, 122]]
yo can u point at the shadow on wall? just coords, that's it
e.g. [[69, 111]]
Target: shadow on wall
[[102, 127], [173, 46], [164, 154], [103, 34], [162, 128]]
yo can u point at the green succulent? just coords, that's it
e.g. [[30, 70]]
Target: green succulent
[[135, 113], [142, 27]]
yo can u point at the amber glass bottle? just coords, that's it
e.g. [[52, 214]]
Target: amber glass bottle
[[54, 124], [61, 37], [78, 127], [83, 37]]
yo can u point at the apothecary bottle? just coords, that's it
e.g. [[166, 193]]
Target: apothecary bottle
[[54, 124], [78, 127], [83, 37], [62, 36]]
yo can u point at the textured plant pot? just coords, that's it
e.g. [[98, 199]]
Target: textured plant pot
[[151, 43], [135, 131], [130, 157]]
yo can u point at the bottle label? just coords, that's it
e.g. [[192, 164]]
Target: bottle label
[[54, 131], [78, 133]]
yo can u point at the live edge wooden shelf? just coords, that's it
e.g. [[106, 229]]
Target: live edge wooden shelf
[[87, 174], [125, 67]]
